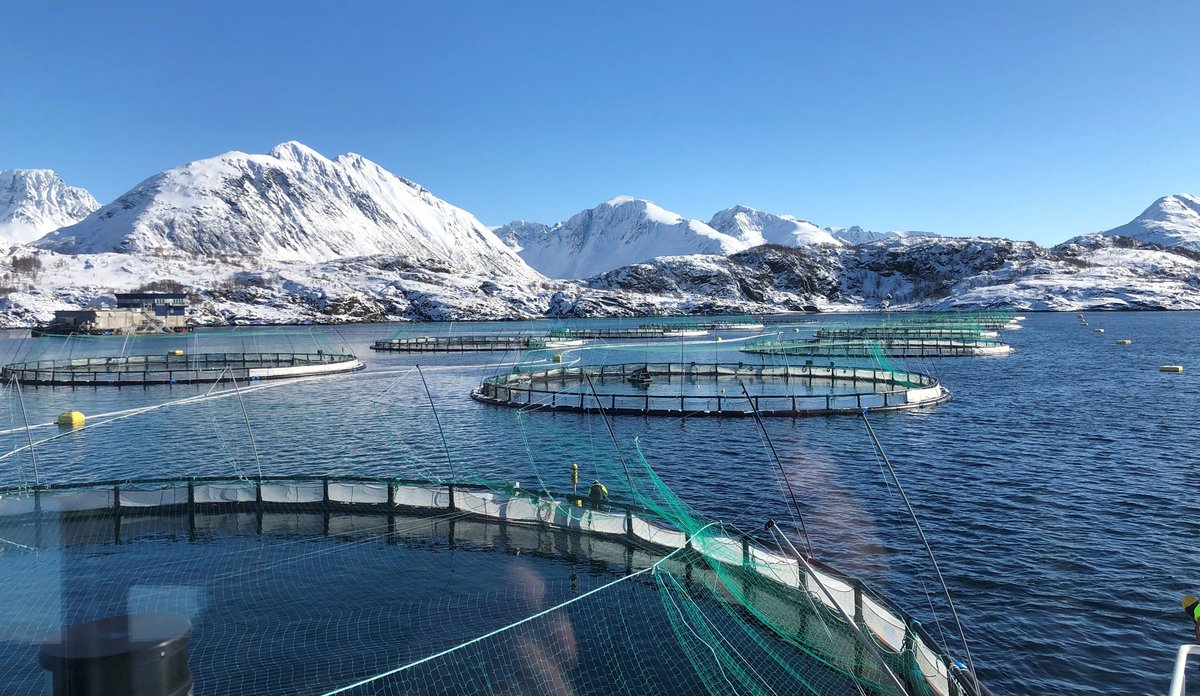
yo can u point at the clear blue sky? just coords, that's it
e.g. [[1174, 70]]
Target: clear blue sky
[[1035, 120]]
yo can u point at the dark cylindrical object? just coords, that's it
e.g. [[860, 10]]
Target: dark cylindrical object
[[130, 655]]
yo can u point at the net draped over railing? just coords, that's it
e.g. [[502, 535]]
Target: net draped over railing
[[764, 621]]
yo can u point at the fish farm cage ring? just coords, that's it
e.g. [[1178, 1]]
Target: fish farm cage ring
[[472, 344], [192, 368], [695, 389], [224, 535], [875, 333], [891, 347]]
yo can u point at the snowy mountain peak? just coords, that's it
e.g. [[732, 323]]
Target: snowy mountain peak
[[855, 235], [619, 231], [756, 227], [1169, 221], [36, 201], [293, 204], [651, 210], [296, 152], [621, 200]]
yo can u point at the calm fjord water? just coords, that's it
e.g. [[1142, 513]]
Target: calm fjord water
[[1056, 487]]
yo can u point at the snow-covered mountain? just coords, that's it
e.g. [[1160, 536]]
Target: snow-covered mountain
[[291, 205], [1097, 272], [756, 227], [36, 201], [1169, 221], [857, 235], [619, 231], [293, 236]]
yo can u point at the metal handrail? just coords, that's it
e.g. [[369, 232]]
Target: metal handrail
[[1179, 676], [137, 369]]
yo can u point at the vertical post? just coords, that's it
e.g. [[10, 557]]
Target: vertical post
[[258, 504], [191, 507], [391, 511], [117, 514], [451, 506], [325, 503]]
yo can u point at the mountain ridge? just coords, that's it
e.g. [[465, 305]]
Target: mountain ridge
[[34, 202], [619, 231], [757, 227], [292, 204], [1172, 220]]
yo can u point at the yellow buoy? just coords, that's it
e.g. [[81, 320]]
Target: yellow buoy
[[73, 419], [1171, 368], [177, 351], [718, 339], [557, 357], [1124, 342]]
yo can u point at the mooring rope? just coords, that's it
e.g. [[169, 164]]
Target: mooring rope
[[928, 549], [509, 627], [858, 632]]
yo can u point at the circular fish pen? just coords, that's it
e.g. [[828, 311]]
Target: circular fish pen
[[876, 333], [177, 367], [620, 334], [713, 389], [472, 344], [706, 326], [324, 585], [992, 322], [890, 347]]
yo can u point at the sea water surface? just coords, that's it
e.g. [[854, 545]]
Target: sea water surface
[[1057, 487]]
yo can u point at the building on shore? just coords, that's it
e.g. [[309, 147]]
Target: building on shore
[[136, 313]]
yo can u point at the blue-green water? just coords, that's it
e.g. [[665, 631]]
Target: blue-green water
[[1056, 487]]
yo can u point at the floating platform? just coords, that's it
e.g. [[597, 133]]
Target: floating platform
[[70, 330], [892, 347], [713, 389], [623, 334], [472, 344], [175, 368], [334, 551]]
